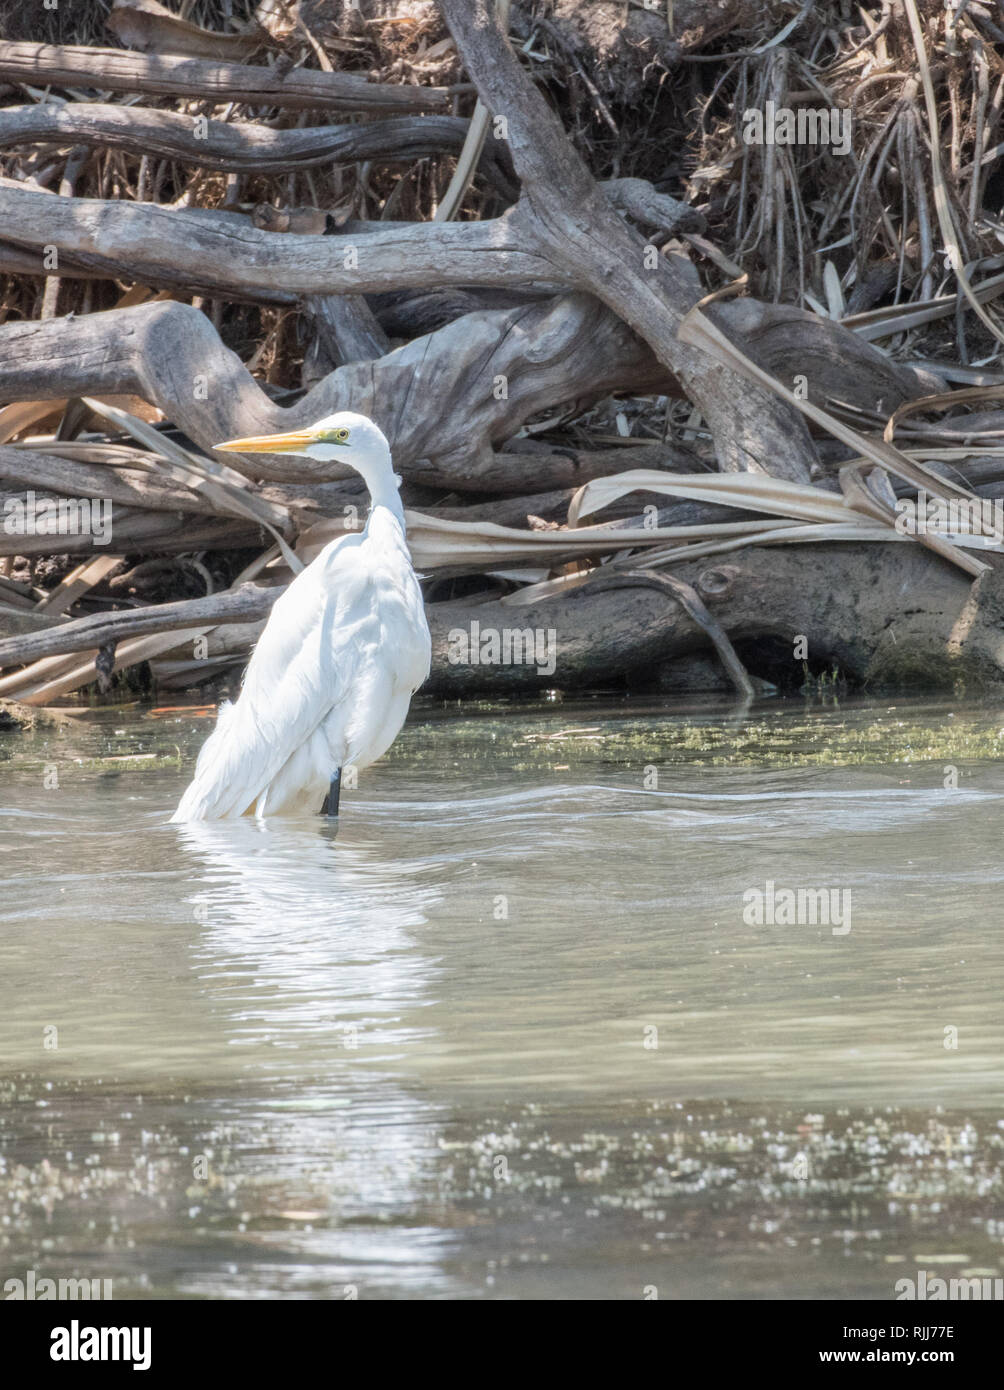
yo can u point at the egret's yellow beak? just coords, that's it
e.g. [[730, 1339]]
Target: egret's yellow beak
[[292, 443]]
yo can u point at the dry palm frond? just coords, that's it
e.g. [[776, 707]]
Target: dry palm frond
[[228, 489], [698, 330], [750, 491]]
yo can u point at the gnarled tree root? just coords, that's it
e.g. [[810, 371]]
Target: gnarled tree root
[[443, 400]]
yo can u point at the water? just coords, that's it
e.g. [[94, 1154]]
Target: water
[[508, 1034]]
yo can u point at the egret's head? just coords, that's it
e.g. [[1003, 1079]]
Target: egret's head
[[344, 437]]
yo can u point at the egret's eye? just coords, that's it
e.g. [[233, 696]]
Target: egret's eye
[[339, 436]]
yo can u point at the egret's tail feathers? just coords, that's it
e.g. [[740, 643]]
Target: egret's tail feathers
[[219, 788]]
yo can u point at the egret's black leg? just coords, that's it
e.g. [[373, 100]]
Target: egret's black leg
[[330, 807]]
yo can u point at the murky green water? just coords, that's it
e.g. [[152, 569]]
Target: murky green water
[[509, 1034]]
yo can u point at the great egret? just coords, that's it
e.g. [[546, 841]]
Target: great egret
[[345, 648]]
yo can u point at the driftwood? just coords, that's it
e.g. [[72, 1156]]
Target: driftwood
[[346, 330], [564, 226], [837, 601], [574, 296], [245, 604], [442, 401], [150, 26], [158, 532], [836, 597], [563, 212], [15, 622], [112, 70], [434, 398], [694, 606], [221, 253], [512, 475], [130, 487], [239, 147]]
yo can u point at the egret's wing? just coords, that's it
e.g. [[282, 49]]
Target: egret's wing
[[298, 673]]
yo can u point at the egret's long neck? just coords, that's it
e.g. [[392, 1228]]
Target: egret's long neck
[[382, 483]]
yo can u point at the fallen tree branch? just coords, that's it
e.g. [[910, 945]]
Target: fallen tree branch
[[346, 329], [565, 214], [692, 604], [140, 532], [221, 252], [437, 399], [640, 200], [130, 487], [840, 603], [241, 147], [246, 604], [515, 470], [444, 401], [112, 70], [150, 27]]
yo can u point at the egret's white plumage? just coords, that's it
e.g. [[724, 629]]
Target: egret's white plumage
[[345, 648]]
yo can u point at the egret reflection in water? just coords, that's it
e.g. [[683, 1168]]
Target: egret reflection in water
[[304, 935], [308, 944]]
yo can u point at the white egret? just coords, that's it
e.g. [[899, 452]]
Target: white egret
[[345, 648]]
